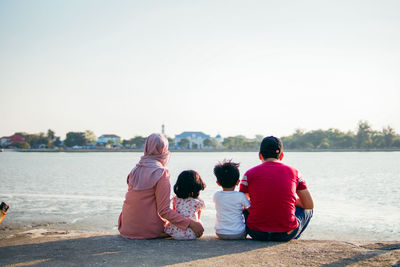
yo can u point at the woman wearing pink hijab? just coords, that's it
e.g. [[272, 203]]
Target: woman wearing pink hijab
[[147, 202]]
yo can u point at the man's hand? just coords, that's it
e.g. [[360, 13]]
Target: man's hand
[[197, 228]]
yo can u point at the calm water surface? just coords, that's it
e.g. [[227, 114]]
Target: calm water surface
[[356, 194]]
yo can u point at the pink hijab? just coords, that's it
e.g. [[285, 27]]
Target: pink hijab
[[152, 164]]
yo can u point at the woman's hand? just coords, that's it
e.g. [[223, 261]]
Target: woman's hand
[[197, 228]]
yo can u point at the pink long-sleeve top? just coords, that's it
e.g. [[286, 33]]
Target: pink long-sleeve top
[[144, 211]]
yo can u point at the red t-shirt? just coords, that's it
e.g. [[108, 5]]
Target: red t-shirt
[[272, 188]]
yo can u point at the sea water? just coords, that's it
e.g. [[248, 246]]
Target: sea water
[[356, 194]]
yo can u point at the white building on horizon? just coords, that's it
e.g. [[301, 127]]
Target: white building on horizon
[[105, 138], [219, 140], [196, 139]]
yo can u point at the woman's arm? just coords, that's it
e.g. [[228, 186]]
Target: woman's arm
[[162, 192]]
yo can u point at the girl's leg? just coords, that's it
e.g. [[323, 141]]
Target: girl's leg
[[164, 235]]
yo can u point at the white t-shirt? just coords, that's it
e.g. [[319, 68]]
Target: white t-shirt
[[229, 206]]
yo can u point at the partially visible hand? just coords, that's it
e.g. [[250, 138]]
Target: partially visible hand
[[197, 228]]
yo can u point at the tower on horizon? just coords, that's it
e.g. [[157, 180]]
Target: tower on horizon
[[163, 129]]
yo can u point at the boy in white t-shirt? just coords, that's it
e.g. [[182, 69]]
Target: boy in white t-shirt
[[229, 204]]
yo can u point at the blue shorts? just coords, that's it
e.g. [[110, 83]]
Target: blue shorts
[[303, 218]]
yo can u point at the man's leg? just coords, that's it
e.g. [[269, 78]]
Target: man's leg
[[245, 215], [256, 235], [303, 218], [266, 236]]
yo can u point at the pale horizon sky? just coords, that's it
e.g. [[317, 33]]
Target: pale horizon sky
[[220, 67]]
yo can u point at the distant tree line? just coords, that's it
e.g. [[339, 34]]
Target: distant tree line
[[240, 142], [39, 140], [80, 139], [49, 140], [363, 138], [136, 142]]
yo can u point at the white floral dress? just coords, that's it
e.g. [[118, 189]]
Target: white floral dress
[[188, 207]]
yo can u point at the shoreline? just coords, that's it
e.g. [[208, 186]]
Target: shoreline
[[41, 245], [71, 150]]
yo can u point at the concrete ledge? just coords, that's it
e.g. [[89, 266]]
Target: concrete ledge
[[60, 248]]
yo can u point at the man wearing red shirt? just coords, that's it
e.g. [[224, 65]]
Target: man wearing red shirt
[[276, 213]]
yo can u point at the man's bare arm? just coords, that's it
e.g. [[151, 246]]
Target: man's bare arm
[[305, 200]]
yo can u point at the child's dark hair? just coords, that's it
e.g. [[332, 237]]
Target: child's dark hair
[[227, 173], [188, 184]]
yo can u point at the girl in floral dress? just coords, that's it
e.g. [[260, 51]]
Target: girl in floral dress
[[187, 203]]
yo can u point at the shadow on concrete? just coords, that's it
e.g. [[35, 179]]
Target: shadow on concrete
[[114, 250], [375, 251]]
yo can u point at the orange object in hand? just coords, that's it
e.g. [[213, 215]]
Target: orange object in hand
[[3, 214], [3, 208]]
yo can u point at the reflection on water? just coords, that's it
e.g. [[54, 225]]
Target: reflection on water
[[356, 194]]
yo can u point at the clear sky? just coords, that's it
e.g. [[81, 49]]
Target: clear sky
[[227, 67]]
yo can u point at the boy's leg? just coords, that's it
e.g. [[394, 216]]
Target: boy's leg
[[303, 218], [232, 237]]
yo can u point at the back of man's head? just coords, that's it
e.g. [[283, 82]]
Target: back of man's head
[[271, 147]]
